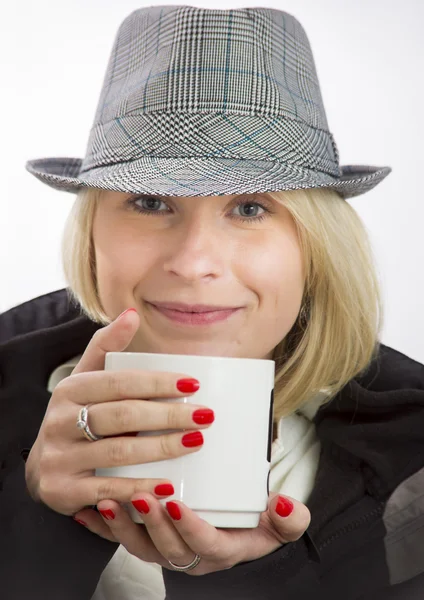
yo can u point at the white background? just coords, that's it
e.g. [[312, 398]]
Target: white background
[[369, 57]]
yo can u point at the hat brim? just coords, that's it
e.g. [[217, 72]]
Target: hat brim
[[201, 176]]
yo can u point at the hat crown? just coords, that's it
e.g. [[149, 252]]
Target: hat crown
[[184, 81], [245, 61]]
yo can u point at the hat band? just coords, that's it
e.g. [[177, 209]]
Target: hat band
[[205, 135]]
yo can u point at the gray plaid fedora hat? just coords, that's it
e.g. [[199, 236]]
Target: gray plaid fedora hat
[[201, 102]]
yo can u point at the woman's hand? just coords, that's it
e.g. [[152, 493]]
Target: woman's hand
[[178, 539], [60, 469]]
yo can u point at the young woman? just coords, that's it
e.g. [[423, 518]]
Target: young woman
[[211, 184]]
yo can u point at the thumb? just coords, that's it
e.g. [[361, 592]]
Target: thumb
[[290, 517], [115, 337]]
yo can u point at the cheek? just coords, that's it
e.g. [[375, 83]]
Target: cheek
[[121, 256], [121, 260], [277, 279]]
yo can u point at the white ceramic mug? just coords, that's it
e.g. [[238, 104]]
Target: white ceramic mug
[[226, 481]]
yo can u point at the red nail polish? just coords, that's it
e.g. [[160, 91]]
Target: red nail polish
[[107, 514], [203, 416], [141, 506], [188, 385], [174, 510], [164, 489], [284, 507], [127, 311], [80, 521], [190, 440]]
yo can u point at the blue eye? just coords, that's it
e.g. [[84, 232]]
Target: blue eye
[[152, 204], [251, 205]]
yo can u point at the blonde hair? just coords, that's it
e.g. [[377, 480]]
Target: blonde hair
[[337, 331]]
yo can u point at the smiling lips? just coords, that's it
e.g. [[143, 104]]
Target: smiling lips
[[193, 314], [197, 308]]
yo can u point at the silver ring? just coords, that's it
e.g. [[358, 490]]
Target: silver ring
[[83, 425], [193, 564]]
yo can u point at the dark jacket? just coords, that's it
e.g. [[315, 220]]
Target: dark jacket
[[366, 537]]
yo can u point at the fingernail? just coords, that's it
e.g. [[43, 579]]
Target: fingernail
[[141, 506], [188, 385], [127, 311], [80, 521], [284, 507], [164, 489], [107, 513], [173, 510], [203, 416], [190, 440]]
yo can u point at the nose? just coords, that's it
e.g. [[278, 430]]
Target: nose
[[195, 252]]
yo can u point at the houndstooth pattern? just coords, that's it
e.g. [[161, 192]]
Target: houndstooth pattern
[[201, 101]]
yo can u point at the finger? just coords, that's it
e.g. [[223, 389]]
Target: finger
[[133, 536], [110, 386], [218, 546], [115, 337], [165, 537], [290, 517], [91, 490], [114, 418], [90, 519], [125, 451]]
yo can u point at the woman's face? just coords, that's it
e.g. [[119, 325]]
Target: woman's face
[[239, 251]]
